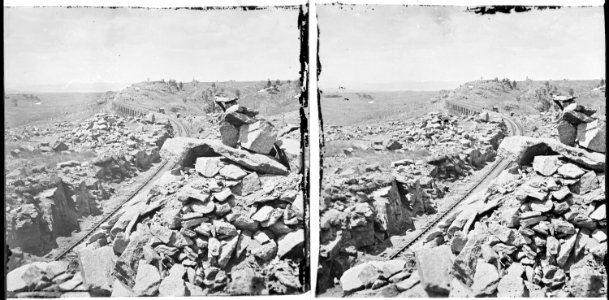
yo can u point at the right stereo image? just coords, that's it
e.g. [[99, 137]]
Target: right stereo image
[[462, 151]]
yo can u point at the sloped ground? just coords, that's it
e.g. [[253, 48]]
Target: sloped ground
[[388, 177], [229, 219], [539, 231], [62, 174]]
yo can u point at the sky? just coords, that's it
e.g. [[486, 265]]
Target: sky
[[382, 47], [70, 49]]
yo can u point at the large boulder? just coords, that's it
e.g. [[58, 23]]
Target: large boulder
[[172, 286], [359, 277], [147, 280], [187, 150], [258, 137], [523, 149], [567, 133], [96, 269], [245, 281], [291, 243], [585, 281], [293, 152], [229, 134], [511, 286], [239, 115], [24, 278], [208, 166], [486, 279], [545, 165], [592, 136], [434, 269], [575, 117]]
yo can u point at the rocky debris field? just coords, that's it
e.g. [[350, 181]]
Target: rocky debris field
[[540, 230], [362, 207], [227, 220], [104, 134], [46, 201]]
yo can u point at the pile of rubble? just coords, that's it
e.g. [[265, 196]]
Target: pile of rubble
[[539, 231], [578, 125], [39, 212], [541, 125], [438, 132], [364, 206], [104, 134], [45, 201], [226, 220]]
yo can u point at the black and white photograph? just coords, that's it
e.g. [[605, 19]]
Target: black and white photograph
[[462, 151], [155, 151]]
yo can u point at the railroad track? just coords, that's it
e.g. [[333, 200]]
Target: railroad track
[[501, 164], [165, 165]]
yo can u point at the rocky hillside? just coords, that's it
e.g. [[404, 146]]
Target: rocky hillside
[[539, 231], [363, 207], [57, 176], [195, 97], [528, 97], [229, 219]]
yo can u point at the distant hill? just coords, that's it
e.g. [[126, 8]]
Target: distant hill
[[197, 97], [528, 96]]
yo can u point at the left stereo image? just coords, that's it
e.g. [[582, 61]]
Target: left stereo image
[[155, 152]]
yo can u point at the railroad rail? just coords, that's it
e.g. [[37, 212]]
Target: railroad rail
[[165, 165], [501, 164]]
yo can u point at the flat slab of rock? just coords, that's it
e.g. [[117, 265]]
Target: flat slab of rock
[[359, 277], [408, 283], [24, 278], [434, 268], [291, 242], [229, 134], [570, 171], [592, 136], [486, 279], [523, 149], [245, 282], [172, 286], [208, 166], [259, 137], [147, 280], [545, 165], [96, 268], [232, 172]]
